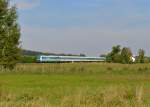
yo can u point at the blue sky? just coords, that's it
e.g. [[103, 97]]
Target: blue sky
[[84, 26]]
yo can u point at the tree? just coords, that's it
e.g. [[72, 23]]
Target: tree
[[83, 55], [126, 55], [9, 35], [103, 55], [114, 55], [117, 58], [109, 57], [141, 56], [116, 49]]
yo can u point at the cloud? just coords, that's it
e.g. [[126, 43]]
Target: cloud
[[27, 4]]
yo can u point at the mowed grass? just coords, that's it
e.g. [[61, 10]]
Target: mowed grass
[[76, 85]]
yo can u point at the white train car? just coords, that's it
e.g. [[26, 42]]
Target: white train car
[[49, 58]]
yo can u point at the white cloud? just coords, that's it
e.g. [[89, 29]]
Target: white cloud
[[24, 4]]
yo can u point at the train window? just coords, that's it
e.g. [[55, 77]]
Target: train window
[[44, 58]]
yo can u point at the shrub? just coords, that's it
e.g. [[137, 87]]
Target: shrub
[[28, 59]]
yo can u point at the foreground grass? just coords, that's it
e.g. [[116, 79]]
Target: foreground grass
[[76, 85]]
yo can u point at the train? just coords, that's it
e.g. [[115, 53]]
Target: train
[[53, 59]]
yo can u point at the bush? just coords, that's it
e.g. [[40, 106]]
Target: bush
[[28, 59]]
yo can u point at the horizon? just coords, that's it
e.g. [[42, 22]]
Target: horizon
[[90, 27]]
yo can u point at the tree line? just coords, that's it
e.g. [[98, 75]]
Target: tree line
[[124, 55]]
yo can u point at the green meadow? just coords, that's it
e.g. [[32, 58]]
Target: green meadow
[[76, 85]]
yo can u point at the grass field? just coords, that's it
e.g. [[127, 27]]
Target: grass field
[[76, 85]]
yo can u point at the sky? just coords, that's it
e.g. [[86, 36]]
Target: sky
[[91, 27]]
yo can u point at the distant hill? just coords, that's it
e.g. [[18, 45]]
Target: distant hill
[[33, 53], [36, 53]]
